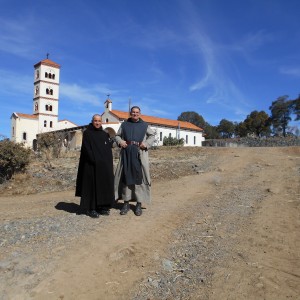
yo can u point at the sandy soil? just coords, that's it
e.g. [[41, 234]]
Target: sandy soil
[[244, 209]]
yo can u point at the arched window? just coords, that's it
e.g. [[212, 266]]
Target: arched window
[[186, 139], [170, 135], [106, 120], [194, 140], [45, 123], [13, 131], [36, 106], [46, 74], [37, 74], [24, 136], [37, 90], [51, 92], [160, 136], [47, 107], [47, 91], [51, 124], [53, 76], [50, 107]]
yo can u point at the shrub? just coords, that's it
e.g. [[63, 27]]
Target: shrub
[[14, 157], [50, 144], [170, 141]]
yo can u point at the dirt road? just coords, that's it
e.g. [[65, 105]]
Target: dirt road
[[231, 231]]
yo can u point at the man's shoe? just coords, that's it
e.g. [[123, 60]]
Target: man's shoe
[[104, 211], [125, 209], [93, 214], [138, 209]]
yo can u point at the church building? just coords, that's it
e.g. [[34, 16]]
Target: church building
[[25, 127]]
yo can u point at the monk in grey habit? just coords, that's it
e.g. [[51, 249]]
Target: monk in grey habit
[[132, 177]]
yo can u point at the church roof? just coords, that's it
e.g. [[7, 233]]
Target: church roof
[[158, 121], [65, 120], [27, 116], [47, 62]]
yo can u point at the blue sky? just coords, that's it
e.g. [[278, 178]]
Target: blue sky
[[221, 59]]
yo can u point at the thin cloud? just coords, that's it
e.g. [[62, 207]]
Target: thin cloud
[[8, 83], [16, 37], [294, 71], [84, 95]]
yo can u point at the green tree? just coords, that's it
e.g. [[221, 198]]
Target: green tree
[[226, 128], [281, 111], [192, 117], [241, 129], [296, 108], [211, 132], [258, 123]]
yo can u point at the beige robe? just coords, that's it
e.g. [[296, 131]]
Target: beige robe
[[142, 192]]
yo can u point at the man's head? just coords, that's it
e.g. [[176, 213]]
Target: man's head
[[97, 121], [135, 113]]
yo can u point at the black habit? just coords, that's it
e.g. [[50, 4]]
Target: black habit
[[95, 179]]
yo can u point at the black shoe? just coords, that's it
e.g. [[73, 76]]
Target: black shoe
[[93, 214], [125, 209], [138, 209], [104, 211]]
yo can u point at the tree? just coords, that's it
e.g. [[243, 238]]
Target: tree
[[226, 128], [281, 111], [296, 108], [192, 117], [258, 123], [211, 132]]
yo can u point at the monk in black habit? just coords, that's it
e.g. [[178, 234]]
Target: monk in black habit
[[95, 178]]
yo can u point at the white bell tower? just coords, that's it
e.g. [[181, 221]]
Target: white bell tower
[[46, 94]]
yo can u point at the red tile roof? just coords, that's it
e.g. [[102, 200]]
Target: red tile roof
[[27, 116], [159, 121], [48, 62]]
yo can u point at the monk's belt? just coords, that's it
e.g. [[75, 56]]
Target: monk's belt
[[133, 143]]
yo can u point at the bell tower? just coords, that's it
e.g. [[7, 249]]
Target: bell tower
[[46, 94]]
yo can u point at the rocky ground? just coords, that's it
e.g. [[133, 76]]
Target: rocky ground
[[224, 224]]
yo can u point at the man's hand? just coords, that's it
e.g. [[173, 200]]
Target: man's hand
[[123, 144], [143, 146]]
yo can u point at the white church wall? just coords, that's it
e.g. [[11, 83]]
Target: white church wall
[[24, 130], [195, 138]]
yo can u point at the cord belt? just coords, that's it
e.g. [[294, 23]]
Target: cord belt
[[133, 143]]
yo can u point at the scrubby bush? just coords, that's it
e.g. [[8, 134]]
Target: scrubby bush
[[14, 157], [170, 141], [50, 144]]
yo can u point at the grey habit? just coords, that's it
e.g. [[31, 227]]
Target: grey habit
[[130, 183]]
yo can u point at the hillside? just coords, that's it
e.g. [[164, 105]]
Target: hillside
[[224, 224]]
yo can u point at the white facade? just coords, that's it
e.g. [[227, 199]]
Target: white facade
[[23, 128]]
